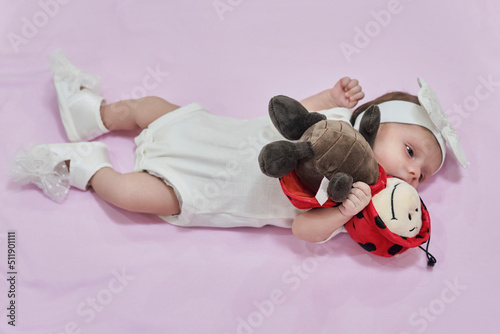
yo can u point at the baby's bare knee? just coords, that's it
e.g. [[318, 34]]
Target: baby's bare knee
[[156, 104], [150, 108]]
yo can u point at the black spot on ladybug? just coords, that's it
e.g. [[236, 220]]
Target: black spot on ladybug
[[404, 238], [395, 249], [428, 230], [360, 215], [353, 225], [419, 236], [380, 223], [369, 247]]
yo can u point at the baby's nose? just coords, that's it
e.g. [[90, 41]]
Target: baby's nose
[[413, 176], [413, 182]]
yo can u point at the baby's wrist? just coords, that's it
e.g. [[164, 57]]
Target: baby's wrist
[[331, 100], [325, 100], [345, 213]]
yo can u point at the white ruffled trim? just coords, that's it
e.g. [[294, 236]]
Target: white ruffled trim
[[64, 70], [429, 100], [41, 167]]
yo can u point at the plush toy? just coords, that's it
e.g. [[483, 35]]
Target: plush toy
[[331, 149], [395, 220], [328, 156]]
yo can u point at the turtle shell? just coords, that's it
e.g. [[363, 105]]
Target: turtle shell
[[337, 147]]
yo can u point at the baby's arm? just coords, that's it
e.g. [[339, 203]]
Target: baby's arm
[[346, 93], [318, 224]]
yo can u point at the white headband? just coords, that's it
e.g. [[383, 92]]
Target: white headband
[[429, 115]]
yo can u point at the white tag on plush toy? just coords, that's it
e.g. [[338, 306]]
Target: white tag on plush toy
[[322, 194]]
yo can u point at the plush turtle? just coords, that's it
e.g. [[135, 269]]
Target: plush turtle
[[323, 148], [395, 220]]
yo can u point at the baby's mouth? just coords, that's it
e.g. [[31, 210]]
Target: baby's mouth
[[407, 180], [401, 178]]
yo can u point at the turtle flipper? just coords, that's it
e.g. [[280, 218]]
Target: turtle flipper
[[290, 117], [369, 124], [339, 187], [279, 158]]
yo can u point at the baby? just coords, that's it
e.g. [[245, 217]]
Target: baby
[[193, 168]]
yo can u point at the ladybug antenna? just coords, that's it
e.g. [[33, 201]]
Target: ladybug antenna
[[431, 260]]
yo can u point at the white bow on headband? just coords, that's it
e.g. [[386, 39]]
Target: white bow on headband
[[430, 102]]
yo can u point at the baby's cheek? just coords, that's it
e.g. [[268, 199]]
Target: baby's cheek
[[386, 157], [383, 160]]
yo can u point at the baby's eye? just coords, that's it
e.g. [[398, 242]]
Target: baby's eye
[[421, 177], [410, 151]]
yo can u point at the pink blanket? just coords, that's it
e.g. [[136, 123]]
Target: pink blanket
[[86, 267]]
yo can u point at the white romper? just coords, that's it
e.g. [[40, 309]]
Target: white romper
[[211, 162]]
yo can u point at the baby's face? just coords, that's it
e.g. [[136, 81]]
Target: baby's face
[[406, 151]]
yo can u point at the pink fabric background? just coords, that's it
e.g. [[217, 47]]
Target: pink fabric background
[[177, 280]]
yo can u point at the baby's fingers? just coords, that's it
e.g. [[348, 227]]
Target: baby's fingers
[[360, 195], [345, 82], [353, 91], [365, 188], [355, 94], [348, 208], [353, 83]]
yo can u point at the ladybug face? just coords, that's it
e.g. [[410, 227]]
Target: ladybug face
[[399, 207]]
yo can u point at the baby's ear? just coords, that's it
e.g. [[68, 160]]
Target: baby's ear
[[370, 123]]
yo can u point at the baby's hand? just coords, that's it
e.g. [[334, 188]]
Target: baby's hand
[[347, 92], [357, 200]]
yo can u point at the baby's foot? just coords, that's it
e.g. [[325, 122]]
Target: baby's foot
[[74, 77], [80, 113], [78, 98], [48, 166]]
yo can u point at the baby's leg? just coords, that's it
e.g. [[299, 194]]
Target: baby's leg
[[55, 167], [80, 104], [135, 114], [136, 192]]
